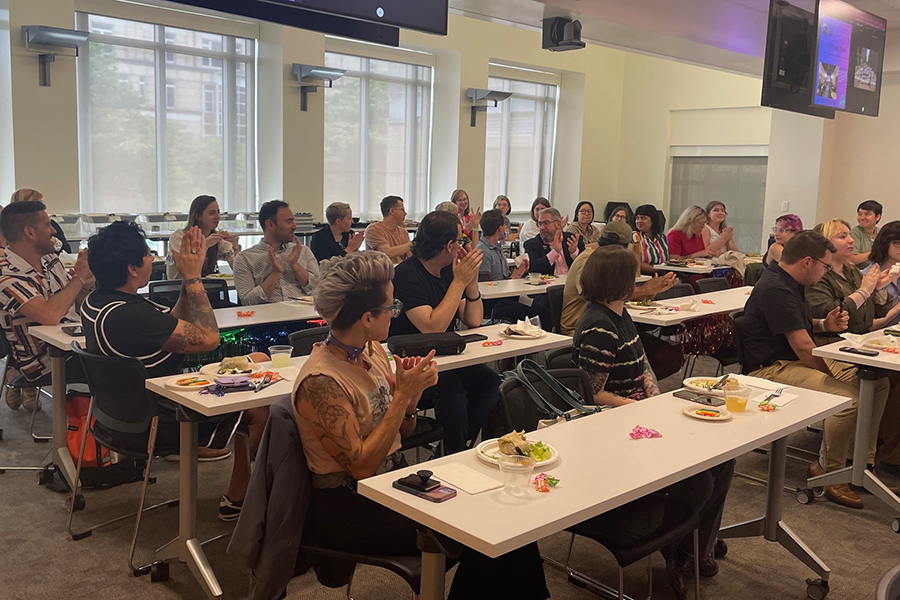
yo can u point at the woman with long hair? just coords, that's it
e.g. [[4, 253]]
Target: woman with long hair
[[686, 236], [717, 235], [220, 245], [469, 220], [786, 226], [530, 228], [503, 205], [584, 217], [652, 247], [886, 254]]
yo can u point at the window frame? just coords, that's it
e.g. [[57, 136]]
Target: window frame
[[162, 49]]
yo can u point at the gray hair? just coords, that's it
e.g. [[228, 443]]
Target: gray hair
[[449, 207], [347, 286], [336, 211], [552, 212], [687, 218]]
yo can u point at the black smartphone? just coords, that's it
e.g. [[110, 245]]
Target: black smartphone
[[420, 481], [699, 398], [438, 494], [474, 337], [73, 330], [861, 351]]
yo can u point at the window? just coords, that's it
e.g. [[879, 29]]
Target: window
[[739, 182], [165, 115], [519, 143], [377, 134]]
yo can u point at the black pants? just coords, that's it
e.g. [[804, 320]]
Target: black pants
[[346, 521], [510, 309], [706, 493], [462, 401]]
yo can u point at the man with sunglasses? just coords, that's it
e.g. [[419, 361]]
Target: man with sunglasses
[[777, 342], [552, 252]]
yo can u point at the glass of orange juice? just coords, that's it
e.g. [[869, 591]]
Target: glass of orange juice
[[736, 399]]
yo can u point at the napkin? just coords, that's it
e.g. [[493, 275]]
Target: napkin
[[689, 306], [529, 327], [521, 259], [465, 478], [782, 400]]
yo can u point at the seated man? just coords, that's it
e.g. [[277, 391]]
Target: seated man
[[279, 267], [389, 236], [35, 289], [494, 267], [337, 238], [118, 322], [438, 285], [552, 252], [778, 344]]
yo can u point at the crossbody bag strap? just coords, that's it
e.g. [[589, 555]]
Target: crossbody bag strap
[[535, 396], [568, 396]]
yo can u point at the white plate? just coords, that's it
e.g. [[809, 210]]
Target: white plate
[[488, 449], [213, 369], [540, 282], [882, 343], [691, 383], [536, 336], [173, 385], [691, 411]]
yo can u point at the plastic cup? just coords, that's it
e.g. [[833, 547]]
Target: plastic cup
[[516, 472], [534, 278], [736, 399], [281, 356]]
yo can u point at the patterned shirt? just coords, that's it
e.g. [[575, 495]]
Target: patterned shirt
[[252, 266], [19, 283], [654, 250], [608, 348]]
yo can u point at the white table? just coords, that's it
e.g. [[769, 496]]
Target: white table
[[725, 301], [511, 288], [702, 268], [873, 368], [596, 476], [187, 547]]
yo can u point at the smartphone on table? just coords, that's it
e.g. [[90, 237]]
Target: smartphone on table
[[699, 398], [73, 330], [422, 485]]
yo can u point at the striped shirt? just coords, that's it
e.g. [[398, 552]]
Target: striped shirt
[[19, 283], [654, 250], [252, 266], [608, 344]]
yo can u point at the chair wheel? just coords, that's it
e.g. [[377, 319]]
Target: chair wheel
[[1, 434], [159, 572], [816, 589], [79, 503], [45, 477], [805, 496], [721, 549], [895, 525]]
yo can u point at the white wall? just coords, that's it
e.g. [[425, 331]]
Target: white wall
[[7, 155], [270, 128]]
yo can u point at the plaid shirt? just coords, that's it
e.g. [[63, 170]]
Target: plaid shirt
[[19, 283]]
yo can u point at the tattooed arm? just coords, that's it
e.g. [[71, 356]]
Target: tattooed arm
[[197, 330], [601, 396], [322, 402], [651, 386]]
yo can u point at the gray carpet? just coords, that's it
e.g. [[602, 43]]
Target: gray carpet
[[41, 561]]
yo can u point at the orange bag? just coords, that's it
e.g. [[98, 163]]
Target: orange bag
[[95, 455]]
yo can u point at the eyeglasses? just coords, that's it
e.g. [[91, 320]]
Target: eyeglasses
[[548, 223], [396, 307], [828, 268], [782, 230]]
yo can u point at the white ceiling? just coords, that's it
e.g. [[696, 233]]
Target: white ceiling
[[725, 34]]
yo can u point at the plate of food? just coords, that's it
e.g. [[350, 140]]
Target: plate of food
[[645, 303], [189, 382], [512, 332], [233, 365], [884, 343], [703, 385], [707, 413], [514, 443], [542, 280], [304, 300]]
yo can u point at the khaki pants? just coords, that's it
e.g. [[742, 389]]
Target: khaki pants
[[840, 429]]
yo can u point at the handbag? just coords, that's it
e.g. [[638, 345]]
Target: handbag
[[420, 344], [569, 396]]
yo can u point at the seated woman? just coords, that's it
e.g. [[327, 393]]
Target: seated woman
[[502, 204], [608, 348], [717, 235], [584, 217], [530, 228], [351, 411], [652, 248], [686, 236], [204, 213], [470, 239], [620, 213], [469, 220], [886, 254], [785, 228]]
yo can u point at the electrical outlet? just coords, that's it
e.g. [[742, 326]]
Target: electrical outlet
[[785, 206]]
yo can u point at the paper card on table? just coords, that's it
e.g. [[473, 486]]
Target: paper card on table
[[465, 478], [760, 384], [782, 400]]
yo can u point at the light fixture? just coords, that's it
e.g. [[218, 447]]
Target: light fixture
[[311, 77], [51, 36], [476, 95]]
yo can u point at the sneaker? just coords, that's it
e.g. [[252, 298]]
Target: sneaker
[[30, 400], [204, 455], [14, 398], [228, 510]]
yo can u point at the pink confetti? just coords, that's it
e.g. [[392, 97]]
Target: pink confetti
[[643, 432]]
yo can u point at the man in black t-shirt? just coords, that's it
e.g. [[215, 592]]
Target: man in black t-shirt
[[118, 322], [437, 285], [778, 344], [337, 238]]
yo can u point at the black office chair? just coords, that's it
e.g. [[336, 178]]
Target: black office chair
[[167, 292], [483, 276], [561, 358], [712, 284], [889, 585], [217, 292], [20, 382], [555, 299], [676, 291], [158, 272], [304, 340], [612, 207], [123, 417], [630, 532]]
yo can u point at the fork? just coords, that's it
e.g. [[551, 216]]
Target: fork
[[768, 399], [267, 379]]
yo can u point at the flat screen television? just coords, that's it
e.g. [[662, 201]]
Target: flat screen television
[[424, 15], [788, 71], [849, 58]]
